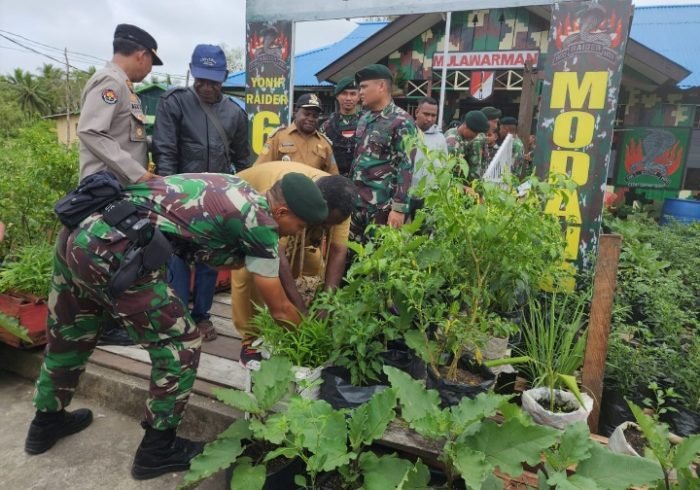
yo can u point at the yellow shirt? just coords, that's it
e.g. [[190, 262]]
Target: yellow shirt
[[289, 145], [262, 177]]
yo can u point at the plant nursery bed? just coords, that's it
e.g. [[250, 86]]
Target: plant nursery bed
[[30, 312]]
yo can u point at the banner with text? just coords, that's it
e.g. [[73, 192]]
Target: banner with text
[[582, 75], [268, 62], [486, 60]]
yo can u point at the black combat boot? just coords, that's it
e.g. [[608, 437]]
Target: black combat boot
[[161, 451], [49, 427]]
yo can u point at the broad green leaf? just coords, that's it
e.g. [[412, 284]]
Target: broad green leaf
[[416, 402], [237, 399], [492, 482], [240, 429], [574, 446], [285, 452], [217, 455], [320, 429], [617, 471], [471, 410], [471, 465], [656, 434], [271, 381], [273, 430], [391, 472], [560, 480], [369, 421], [686, 452], [508, 445], [247, 476], [419, 343]]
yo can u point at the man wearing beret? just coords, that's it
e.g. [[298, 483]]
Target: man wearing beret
[[468, 140], [493, 115], [245, 232], [301, 141], [383, 166], [341, 125], [299, 257], [198, 130], [111, 128], [509, 125]]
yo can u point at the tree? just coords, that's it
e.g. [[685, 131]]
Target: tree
[[32, 96], [235, 60], [52, 81]]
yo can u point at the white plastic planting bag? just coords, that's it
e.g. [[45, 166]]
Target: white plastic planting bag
[[618, 443], [556, 420]]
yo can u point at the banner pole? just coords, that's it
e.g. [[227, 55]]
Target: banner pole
[[443, 81]]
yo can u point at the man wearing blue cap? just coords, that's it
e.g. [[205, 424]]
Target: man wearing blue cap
[[199, 130]]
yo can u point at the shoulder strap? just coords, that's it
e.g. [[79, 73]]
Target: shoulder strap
[[216, 122]]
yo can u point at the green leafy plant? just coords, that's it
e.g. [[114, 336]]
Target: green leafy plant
[[670, 457], [308, 344], [29, 271], [12, 326], [554, 342]]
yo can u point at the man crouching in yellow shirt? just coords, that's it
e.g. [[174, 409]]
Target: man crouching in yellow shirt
[[340, 194]]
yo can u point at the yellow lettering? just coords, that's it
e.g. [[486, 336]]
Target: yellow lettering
[[565, 205], [564, 135], [575, 164], [594, 86], [264, 124], [573, 237]]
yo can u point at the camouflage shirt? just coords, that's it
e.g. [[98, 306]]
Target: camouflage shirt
[[215, 219], [340, 129], [473, 151], [383, 168], [520, 167]]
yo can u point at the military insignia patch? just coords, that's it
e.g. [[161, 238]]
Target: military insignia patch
[[109, 96]]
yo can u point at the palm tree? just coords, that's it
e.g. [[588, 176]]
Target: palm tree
[[31, 95], [53, 82]]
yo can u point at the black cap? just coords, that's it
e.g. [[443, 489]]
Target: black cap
[[309, 101], [509, 121], [374, 72], [345, 83], [140, 37]]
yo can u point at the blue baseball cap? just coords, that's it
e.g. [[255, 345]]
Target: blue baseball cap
[[209, 63]]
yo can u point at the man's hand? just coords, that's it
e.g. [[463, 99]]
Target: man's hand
[[396, 219], [148, 176]]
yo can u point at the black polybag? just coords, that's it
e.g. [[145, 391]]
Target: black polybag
[[451, 393], [337, 390]]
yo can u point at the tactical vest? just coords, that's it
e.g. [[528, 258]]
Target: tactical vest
[[343, 147]]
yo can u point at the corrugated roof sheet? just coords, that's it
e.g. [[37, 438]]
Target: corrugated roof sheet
[[673, 31], [307, 64]]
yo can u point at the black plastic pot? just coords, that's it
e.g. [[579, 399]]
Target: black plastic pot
[[613, 412], [683, 422], [451, 393], [398, 355], [280, 479], [337, 390]]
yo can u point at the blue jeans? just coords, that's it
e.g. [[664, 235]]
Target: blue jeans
[[204, 286]]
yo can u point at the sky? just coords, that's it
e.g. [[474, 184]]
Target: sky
[[86, 28]]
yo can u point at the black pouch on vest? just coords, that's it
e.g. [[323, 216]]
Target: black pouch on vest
[[94, 193]]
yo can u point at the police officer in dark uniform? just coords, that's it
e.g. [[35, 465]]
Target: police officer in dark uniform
[[341, 125]]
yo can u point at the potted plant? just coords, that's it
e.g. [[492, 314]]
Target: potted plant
[[554, 342]]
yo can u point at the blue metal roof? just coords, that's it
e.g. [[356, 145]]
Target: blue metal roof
[[307, 64], [673, 31]]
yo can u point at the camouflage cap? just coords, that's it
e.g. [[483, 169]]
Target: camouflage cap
[[304, 198], [476, 121], [491, 113], [374, 72], [509, 121], [345, 83]]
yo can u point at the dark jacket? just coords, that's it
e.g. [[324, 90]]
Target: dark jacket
[[186, 141]]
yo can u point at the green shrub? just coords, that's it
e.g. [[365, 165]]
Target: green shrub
[[29, 271]]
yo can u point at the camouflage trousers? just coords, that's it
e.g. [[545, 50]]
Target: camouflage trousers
[[362, 217], [150, 311]]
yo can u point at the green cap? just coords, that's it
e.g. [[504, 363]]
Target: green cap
[[374, 72], [345, 83], [304, 198], [476, 121], [509, 121], [491, 113]]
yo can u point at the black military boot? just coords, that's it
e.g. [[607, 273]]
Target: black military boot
[[161, 451], [49, 427]]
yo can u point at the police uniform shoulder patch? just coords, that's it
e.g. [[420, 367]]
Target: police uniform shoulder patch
[[109, 96]]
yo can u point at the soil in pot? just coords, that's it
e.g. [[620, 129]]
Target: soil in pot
[[472, 379], [337, 390], [560, 405], [636, 439]]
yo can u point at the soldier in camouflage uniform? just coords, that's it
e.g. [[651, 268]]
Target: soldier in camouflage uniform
[[383, 167], [469, 141], [341, 125], [215, 219], [521, 168]]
